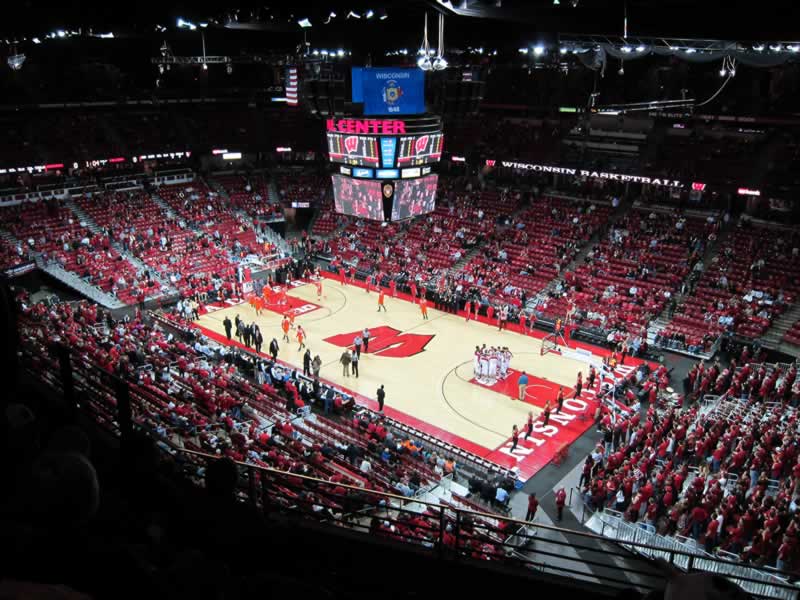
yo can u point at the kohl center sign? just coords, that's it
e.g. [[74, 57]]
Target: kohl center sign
[[366, 126], [664, 182]]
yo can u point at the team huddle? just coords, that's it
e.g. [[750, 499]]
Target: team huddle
[[491, 364]]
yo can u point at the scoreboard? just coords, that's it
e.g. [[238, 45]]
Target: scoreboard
[[385, 144], [355, 150], [383, 166], [420, 150]]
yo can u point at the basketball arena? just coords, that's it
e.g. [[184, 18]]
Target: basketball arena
[[416, 297]]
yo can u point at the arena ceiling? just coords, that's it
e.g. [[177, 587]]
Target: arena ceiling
[[480, 21]]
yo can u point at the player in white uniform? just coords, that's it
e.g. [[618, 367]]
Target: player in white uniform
[[484, 364], [476, 362], [493, 363], [506, 362]]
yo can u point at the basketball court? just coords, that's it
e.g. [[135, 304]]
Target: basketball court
[[426, 367]]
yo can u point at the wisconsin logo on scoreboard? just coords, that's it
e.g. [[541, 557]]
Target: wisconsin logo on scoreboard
[[351, 144], [421, 144]]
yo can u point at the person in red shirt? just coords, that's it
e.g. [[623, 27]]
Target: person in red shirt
[[651, 514], [785, 551], [393, 288], [698, 516], [561, 500], [514, 438], [533, 505]]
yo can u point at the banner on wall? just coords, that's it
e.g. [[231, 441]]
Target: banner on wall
[[622, 177]]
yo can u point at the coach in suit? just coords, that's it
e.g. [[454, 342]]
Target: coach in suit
[[226, 323], [273, 349], [381, 395], [307, 362]]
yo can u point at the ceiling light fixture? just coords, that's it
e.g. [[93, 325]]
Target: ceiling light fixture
[[15, 59], [424, 61], [439, 63], [304, 23]]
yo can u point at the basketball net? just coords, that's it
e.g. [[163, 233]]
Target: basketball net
[[552, 341]]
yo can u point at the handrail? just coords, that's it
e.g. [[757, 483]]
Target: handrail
[[690, 557]]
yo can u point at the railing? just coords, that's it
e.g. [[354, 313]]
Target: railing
[[684, 553], [444, 529]]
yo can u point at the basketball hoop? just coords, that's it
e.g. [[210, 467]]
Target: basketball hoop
[[552, 341]]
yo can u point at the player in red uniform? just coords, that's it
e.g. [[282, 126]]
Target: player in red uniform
[[319, 289], [393, 288], [413, 292]]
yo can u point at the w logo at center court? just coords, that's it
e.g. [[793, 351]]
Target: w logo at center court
[[386, 341]]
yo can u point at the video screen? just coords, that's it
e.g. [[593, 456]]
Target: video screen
[[420, 150], [358, 197], [355, 150], [414, 197]]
